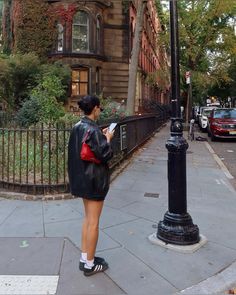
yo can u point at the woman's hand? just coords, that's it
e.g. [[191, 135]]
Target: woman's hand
[[109, 135]]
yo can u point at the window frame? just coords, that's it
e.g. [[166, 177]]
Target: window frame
[[79, 69], [88, 26], [63, 37], [99, 34]]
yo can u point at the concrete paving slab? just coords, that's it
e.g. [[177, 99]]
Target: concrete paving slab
[[73, 282], [122, 183], [30, 256], [26, 220], [6, 209], [72, 230], [76, 204], [151, 209], [111, 217], [214, 227], [135, 276], [194, 268], [59, 211], [120, 198]]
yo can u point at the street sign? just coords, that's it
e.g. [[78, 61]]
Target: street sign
[[188, 77]]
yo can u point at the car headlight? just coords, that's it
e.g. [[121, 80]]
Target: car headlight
[[216, 124]]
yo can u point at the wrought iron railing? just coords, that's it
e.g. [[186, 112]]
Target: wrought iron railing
[[34, 160]]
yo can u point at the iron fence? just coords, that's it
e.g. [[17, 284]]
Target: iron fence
[[34, 160]]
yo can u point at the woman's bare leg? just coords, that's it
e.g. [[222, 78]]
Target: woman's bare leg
[[90, 228]]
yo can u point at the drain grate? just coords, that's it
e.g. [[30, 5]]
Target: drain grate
[[151, 195]]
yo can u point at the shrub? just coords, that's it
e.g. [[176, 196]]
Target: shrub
[[43, 105], [69, 119], [112, 110], [18, 75], [63, 72], [29, 114]]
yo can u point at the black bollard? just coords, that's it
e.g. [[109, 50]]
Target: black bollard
[[177, 226]]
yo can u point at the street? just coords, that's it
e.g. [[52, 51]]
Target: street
[[226, 151]]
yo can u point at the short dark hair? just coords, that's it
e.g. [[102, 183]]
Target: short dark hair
[[87, 103]]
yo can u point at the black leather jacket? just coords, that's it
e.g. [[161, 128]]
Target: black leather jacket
[[87, 179]]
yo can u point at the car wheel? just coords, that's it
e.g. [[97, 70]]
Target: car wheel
[[213, 138]]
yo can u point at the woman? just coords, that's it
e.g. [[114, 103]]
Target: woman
[[88, 180]]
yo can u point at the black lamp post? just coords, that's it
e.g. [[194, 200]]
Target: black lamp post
[[177, 226]]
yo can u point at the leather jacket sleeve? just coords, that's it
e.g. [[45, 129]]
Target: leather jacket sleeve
[[99, 145]]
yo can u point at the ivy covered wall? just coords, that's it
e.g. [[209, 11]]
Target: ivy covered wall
[[28, 26]]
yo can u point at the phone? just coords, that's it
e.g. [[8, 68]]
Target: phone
[[112, 127]]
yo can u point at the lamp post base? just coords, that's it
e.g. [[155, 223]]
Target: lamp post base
[[178, 229]]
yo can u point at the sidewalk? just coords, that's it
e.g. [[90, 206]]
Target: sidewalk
[[41, 240]]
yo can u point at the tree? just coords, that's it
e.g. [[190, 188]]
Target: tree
[[1, 7], [133, 68], [207, 42], [225, 89]]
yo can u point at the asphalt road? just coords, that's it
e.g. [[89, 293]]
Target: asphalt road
[[226, 151]]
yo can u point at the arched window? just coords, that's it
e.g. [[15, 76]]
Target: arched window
[[80, 32], [60, 37], [98, 34]]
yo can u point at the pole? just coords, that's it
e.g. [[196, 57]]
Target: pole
[[177, 226]]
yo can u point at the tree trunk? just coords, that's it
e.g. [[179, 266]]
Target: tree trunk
[[188, 113], [133, 67]]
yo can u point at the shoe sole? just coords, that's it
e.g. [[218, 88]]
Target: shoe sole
[[81, 264], [105, 267], [81, 267]]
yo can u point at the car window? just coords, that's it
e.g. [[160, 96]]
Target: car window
[[225, 114], [206, 113]]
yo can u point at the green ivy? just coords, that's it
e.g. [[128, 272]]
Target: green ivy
[[34, 27]]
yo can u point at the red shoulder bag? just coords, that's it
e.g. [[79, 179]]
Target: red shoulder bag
[[86, 154]]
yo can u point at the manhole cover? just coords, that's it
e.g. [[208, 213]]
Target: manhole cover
[[151, 195]]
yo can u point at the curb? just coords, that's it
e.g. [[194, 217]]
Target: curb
[[216, 284], [219, 162], [26, 197]]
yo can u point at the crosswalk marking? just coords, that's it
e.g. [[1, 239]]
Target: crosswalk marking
[[28, 285]]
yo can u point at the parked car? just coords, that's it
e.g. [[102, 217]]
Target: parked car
[[203, 117], [222, 123]]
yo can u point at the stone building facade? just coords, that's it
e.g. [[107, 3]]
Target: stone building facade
[[95, 38]]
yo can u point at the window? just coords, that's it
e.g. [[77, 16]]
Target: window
[[80, 32], [98, 34], [97, 80], [60, 37], [80, 81]]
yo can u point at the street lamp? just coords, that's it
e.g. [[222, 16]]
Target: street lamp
[[177, 226]]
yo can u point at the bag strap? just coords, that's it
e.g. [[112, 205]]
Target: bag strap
[[86, 136]]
